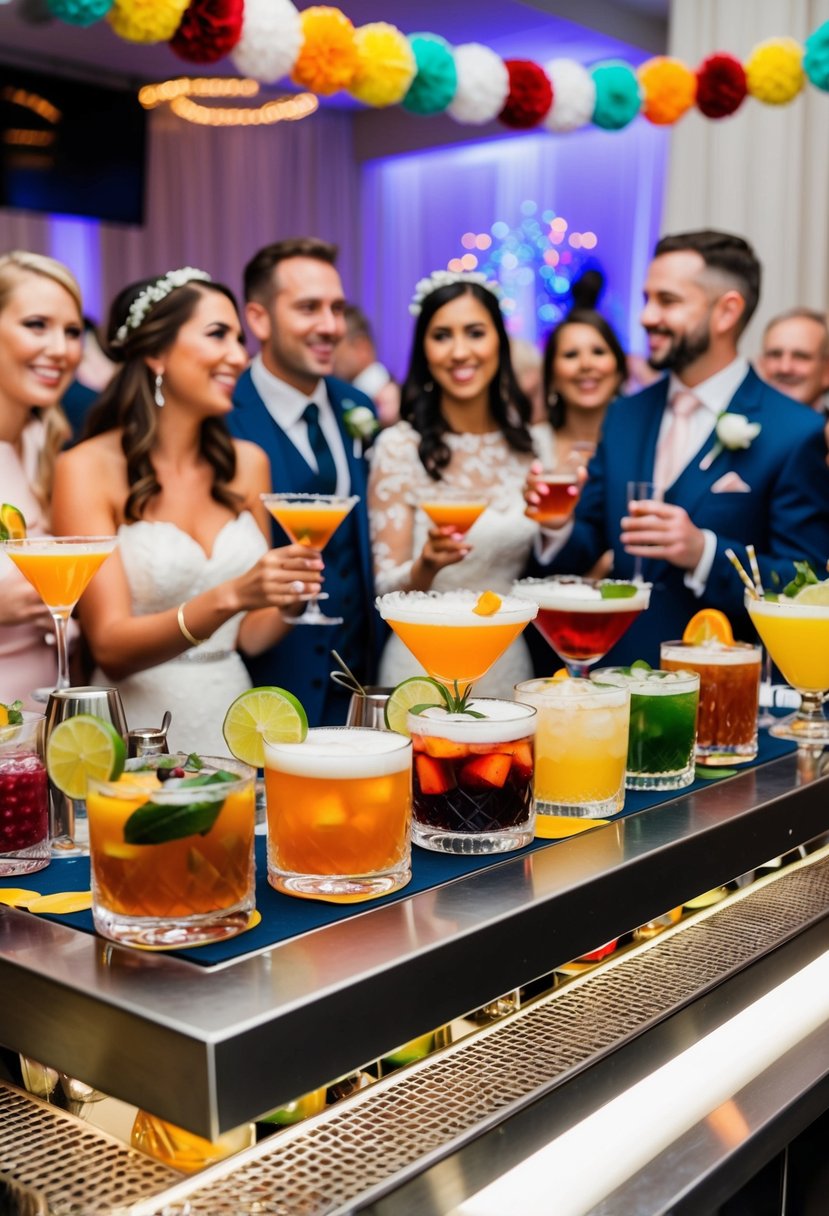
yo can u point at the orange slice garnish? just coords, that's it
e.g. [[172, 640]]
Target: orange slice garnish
[[561, 674], [488, 604], [709, 625]]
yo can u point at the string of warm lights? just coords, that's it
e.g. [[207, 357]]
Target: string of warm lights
[[179, 94]]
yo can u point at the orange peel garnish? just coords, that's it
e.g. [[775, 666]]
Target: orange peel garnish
[[709, 625], [561, 674], [488, 604]]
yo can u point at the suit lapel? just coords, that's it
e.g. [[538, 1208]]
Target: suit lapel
[[254, 422]]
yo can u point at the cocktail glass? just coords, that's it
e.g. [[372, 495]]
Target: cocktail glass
[[455, 509], [797, 638], [24, 798], [311, 519], [339, 811], [640, 492], [580, 622], [728, 697], [581, 747], [473, 778], [452, 642], [563, 491], [60, 569], [178, 887], [663, 725]]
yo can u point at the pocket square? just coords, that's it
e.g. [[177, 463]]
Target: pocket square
[[730, 483]]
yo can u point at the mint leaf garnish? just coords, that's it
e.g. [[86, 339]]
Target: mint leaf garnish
[[160, 822], [805, 575]]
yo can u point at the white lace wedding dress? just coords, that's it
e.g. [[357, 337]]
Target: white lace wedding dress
[[164, 567], [501, 538]]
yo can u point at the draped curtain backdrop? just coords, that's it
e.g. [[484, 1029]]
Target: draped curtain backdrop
[[214, 196], [764, 173]]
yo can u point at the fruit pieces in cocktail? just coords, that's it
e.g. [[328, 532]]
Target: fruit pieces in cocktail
[[473, 777], [663, 724], [24, 799], [453, 512], [455, 635], [171, 851], [581, 746], [339, 811], [582, 620], [554, 507], [728, 697]]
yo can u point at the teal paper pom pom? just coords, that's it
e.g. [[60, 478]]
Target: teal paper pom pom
[[816, 59], [436, 82], [80, 12], [617, 94]]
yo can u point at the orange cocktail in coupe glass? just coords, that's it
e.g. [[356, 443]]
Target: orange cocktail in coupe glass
[[795, 631], [60, 569], [452, 641], [311, 519], [455, 509]]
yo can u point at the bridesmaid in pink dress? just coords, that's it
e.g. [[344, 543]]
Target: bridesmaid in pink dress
[[40, 348]]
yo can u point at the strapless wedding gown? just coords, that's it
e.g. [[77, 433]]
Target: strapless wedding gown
[[165, 566]]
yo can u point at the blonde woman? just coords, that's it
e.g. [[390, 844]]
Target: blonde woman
[[40, 348]]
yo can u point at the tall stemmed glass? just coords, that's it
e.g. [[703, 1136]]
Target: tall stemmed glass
[[796, 633], [451, 508], [311, 520], [639, 492], [582, 619], [60, 569]]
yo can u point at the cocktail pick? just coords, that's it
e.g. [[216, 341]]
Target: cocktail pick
[[345, 677]]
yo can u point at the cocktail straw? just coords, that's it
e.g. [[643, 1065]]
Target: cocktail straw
[[735, 562], [755, 571]]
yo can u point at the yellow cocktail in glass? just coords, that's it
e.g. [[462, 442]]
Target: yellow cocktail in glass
[[796, 635], [448, 638], [311, 520], [60, 569]]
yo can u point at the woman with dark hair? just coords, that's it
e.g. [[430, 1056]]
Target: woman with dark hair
[[464, 426], [192, 578]]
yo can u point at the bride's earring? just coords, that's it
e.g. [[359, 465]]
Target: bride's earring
[[159, 390]]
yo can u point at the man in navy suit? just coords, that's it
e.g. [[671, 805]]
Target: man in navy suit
[[738, 462], [290, 405]]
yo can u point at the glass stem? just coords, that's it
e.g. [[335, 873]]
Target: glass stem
[[577, 669], [811, 707], [62, 649]]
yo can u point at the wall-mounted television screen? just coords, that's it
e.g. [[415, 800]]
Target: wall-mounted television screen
[[70, 148]]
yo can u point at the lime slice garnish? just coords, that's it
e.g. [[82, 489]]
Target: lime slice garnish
[[640, 665], [417, 690], [260, 716], [814, 593], [617, 591], [12, 523], [81, 748]]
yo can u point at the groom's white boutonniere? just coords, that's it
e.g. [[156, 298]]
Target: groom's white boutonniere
[[359, 421], [733, 431]]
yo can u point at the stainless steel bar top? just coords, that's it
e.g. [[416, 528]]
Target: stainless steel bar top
[[209, 1048]]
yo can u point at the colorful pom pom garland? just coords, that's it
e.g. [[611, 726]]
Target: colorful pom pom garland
[[322, 51]]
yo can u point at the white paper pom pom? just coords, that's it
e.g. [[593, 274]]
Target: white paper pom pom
[[483, 84], [271, 40], [574, 95]]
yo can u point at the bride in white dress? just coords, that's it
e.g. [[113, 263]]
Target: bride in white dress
[[193, 580], [464, 425]]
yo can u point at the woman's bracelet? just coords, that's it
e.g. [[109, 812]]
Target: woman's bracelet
[[185, 631]]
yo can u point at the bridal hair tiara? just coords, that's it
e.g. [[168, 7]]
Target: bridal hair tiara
[[444, 278], [157, 291]]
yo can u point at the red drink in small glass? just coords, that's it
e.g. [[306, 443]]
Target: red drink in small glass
[[24, 798], [562, 495]]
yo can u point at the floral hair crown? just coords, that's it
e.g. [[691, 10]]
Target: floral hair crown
[[444, 278], [157, 291]]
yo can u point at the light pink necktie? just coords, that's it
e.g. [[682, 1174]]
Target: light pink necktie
[[673, 450]]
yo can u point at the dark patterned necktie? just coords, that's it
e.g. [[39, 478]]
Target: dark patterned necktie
[[326, 469]]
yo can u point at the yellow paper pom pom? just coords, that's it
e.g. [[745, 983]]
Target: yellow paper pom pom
[[146, 20], [385, 65], [328, 58], [774, 71], [669, 88]]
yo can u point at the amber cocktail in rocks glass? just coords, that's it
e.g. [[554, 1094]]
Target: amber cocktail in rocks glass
[[452, 641], [582, 619], [795, 631], [311, 519], [60, 569]]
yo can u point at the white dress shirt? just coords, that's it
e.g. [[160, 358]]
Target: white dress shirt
[[714, 394], [286, 405]]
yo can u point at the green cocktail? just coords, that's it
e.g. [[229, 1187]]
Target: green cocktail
[[663, 725]]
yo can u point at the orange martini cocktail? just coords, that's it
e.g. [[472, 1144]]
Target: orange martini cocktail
[[60, 568], [311, 519], [450, 640], [455, 511]]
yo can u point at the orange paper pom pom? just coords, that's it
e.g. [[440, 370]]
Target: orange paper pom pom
[[328, 58], [669, 88]]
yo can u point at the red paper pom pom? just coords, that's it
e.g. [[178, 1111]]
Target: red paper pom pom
[[721, 85], [530, 94], [209, 30]]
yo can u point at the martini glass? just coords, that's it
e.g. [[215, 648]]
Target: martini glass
[[60, 569], [311, 520], [797, 638], [581, 618], [452, 642], [453, 509]]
